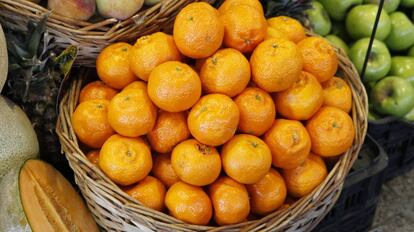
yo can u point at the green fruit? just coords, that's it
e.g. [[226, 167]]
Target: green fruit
[[389, 5], [411, 52], [393, 96], [403, 66], [338, 29], [407, 3], [373, 116], [319, 19], [379, 62], [18, 140], [401, 36], [3, 59], [337, 42], [360, 22], [337, 9], [410, 115]]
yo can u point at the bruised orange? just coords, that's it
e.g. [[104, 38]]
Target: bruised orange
[[163, 170], [149, 191], [337, 93], [96, 90], [288, 26]]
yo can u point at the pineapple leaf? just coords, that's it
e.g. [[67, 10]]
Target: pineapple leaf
[[35, 32], [65, 59]]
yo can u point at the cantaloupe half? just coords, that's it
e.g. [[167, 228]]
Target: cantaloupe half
[[38, 198]]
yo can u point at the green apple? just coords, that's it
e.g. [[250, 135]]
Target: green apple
[[407, 3], [393, 96], [403, 66], [338, 29], [410, 115], [379, 62], [360, 22], [389, 5], [411, 52], [338, 42], [401, 36], [319, 19], [337, 9]]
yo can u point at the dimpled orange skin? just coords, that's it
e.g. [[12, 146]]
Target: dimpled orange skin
[[96, 90], [337, 94], [149, 191], [90, 123], [230, 201], [131, 113], [189, 203], [226, 72], [137, 85], [163, 170], [125, 160], [331, 131], [150, 51], [268, 194], [170, 129], [228, 5], [246, 158], [305, 178], [191, 160], [276, 64], [319, 58], [214, 119], [302, 99], [244, 27], [198, 31], [174, 86], [113, 67], [290, 27], [289, 142], [93, 157], [257, 111], [273, 33]]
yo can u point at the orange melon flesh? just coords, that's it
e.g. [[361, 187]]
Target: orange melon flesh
[[47, 202]]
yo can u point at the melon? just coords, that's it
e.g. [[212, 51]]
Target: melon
[[36, 197], [18, 140], [3, 59]]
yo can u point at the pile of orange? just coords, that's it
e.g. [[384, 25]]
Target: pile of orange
[[222, 120]]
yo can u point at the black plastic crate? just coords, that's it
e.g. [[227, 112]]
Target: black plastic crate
[[355, 209], [397, 139]]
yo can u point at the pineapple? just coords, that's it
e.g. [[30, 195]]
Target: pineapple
[[35, 78]]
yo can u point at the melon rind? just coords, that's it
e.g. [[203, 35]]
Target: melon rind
[[3, 59]]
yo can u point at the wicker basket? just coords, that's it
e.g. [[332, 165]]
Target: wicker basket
[[114, 210], [91, 38]]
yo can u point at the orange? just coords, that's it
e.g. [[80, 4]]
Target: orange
[[174, 86], [288, 26], [226, 72], [189, 203], [149, 191], [96, 90], [319, 58], [230, 201], [331, 131], [198, 31], [131, 113], [306, 177], [214, 119], [246, 158], [191, 160], [169, 130], [289, 142], [93, 156], [137, 85], [336, 93], [112, 65], [273, 33], [163, 170], [150, 51], [244, 27], [268, 194], [198, 64], [229, 4], [125, 160], [276, 64], [90, 123], [257, 111], [302, 99]]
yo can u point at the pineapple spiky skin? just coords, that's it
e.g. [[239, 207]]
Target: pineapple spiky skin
[[37, 70]]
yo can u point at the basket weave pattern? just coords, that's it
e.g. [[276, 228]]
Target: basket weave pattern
[[114, 210], [91, 38]]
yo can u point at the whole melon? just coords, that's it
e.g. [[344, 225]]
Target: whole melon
[[36, 197], [3, 59], [18, 140]]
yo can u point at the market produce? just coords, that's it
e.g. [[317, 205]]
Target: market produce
[[338, 43], [291, 28], [360, 22], [18, 140], [93, 157], [407, 3], [149, 191], [36, 197], [336, 93], [401, 36], [319, 19], [96, 90], [74, 9], [3, 59], [338, 9], [389, 5], [121, 9], [403, 66], [163, 170]]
